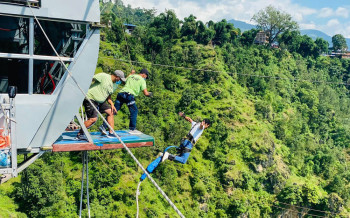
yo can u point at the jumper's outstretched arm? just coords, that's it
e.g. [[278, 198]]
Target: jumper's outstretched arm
[[182, 114]]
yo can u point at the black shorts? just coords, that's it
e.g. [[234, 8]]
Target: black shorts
[[91, 112]]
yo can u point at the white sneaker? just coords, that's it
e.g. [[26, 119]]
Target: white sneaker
[[160, 154], [103, 130], [165, 156], [135, 132]]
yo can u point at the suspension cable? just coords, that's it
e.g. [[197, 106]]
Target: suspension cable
[[104, 120], [320, 211], [304, 213], [218, 71]]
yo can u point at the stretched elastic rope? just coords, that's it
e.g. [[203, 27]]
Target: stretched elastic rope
[[137, 199], [104, 120], [85, 160], [82, 186], [87, 182]]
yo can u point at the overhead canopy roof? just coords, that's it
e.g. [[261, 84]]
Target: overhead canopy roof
[[73, 10]]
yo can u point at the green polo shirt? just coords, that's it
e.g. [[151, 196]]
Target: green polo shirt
[[134, 85], [101, 88]]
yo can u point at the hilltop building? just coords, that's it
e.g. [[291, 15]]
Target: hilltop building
[[261, 38], [129, 28], [345, 55]]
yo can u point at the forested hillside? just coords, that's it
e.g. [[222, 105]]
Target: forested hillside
[[279, 144]]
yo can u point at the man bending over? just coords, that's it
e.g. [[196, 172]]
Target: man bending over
[[101, 90]]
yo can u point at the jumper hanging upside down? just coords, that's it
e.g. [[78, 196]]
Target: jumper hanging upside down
[[184, 150], [189, 141]]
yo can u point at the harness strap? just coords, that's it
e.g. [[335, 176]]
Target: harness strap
[[185, 150], [189, 136]]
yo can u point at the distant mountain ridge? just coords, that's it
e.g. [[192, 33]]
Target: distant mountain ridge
[[242, 25], [314, 34], [310, 32]]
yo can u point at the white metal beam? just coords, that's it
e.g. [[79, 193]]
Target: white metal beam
[[28, 162], [35, 57], [6, 171], [31, 53]]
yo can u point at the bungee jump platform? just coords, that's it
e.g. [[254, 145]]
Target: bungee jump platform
[[68, 141]]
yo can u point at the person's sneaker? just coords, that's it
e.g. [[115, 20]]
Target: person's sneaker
[[160, 154], [82, 137], [103, 130], [165, 156], [111, 135], [135, 132]]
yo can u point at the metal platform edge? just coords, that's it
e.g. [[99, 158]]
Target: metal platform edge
[[92, 147]]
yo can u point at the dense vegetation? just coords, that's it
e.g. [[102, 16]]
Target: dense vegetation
[[279, 140]]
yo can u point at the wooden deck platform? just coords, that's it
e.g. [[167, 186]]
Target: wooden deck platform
[[69, 142]]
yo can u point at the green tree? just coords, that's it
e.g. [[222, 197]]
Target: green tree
[[322, 45], [290, 40], [167, 25], [189, 27], [274, 22], [196, 30], [339, 43], [224, 32], [307, 46], [116, 33], [248, 37], [204, 34]]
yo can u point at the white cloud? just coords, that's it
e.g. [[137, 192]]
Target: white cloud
[[329, 12], [326, 12], [347, 32], [307, 25], [229, 9], [334, 26], [342, 12], [332, 23], [243, 10]]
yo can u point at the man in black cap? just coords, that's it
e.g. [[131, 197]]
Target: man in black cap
[[135, 83], [103, 86]]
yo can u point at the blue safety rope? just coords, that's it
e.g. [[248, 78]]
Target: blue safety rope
[[152, 166]]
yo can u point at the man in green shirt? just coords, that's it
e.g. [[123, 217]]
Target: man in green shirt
[[104, 85], [134, 85]]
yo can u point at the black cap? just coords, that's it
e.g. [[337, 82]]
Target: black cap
[[144, 71]]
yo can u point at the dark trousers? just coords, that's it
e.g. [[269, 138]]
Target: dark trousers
[[129, 100]]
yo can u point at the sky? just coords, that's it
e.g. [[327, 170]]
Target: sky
[[329, 16]]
